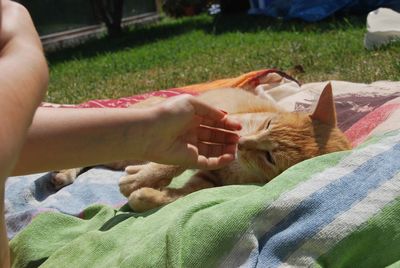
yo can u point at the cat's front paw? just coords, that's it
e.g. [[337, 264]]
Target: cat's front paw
[[140, 176], [146, 198], [63, 177]]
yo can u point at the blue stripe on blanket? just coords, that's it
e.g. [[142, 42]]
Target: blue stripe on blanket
[[322, 207]]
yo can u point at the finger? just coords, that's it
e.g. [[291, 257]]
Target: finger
[[204, 110], [223, 123], [214, 162], [215, 150], [214, 117], [212, 123], [214, 135], [133, 169]]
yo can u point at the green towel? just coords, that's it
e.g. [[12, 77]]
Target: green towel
[[337, 210]]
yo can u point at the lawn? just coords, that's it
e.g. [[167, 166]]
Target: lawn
[[177, 52]]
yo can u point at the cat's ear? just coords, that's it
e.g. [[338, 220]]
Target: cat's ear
[[325, 111]]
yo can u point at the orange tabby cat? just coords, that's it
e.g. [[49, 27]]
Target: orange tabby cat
[[271, 141]]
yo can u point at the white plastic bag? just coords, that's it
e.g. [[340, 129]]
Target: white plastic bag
[[383, 26]]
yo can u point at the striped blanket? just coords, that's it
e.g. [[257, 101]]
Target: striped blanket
[[336, 210]]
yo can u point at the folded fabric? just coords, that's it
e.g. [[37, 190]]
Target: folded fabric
[[339, 209]]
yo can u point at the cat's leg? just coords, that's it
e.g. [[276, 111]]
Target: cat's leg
[[64, 177], [146, 198], [121, 165], [149, 175]]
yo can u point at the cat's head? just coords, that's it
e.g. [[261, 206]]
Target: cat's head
[[286, 138]]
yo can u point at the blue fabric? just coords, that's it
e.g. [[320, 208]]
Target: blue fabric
[[27, 196], [315, 10]]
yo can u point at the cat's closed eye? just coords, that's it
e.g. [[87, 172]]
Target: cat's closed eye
[[270, 159], [268, 124]]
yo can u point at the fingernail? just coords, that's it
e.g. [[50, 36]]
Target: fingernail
[[224, 111]]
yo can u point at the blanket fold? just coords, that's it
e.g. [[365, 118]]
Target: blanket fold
[[340, 209], [316, 212]]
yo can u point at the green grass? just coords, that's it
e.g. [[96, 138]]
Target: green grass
[[174, 53]]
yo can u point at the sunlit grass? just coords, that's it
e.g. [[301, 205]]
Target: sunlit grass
[[175, 53]]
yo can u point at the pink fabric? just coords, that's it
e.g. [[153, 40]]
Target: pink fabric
[[248, 81], [361, 129], [121, 102]]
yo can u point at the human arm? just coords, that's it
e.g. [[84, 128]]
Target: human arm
[[23, 80], [69, 138], [174, 132], [23, 76]]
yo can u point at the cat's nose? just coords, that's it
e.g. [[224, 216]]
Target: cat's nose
[[246, 143]]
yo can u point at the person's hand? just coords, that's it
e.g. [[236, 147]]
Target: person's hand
[[192, 134]]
